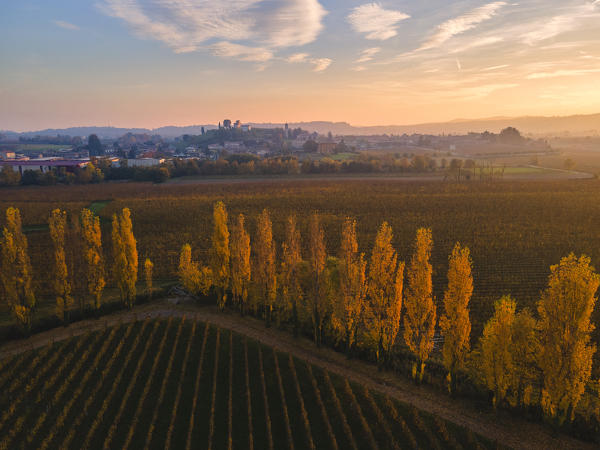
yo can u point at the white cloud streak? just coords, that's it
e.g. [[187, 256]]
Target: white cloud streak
[[561, 23], [66, 25], [241, 52], [376, 22], [561, 73], [187, 26], [461, 24], [367, 54], [319, 64]]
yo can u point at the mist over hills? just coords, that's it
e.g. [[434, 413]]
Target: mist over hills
[[580, 125]]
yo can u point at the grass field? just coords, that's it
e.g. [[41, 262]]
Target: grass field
[[172, 383]]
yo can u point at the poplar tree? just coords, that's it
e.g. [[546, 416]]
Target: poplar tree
[[290, 272], [148, 268], [420, 315], [318, 259], [266, 279], [193, 278], [240, 264], [16, 271], [384, 306], [125, 256], [455, 323], [350, 304], [92, 251], [496, 363], [62, 287], [219, 254], [565, 356]]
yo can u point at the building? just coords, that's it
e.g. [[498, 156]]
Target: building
[[45, 165], [246, 128], [5, 154], [326, 147], [235, 146], [227, 123], [145, 162], [237, 124]]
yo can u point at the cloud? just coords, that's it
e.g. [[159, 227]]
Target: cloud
[[460, 24], [319, 64], [187, 26], [477, 43], [243, 53], [66, 25], [376, 22], [501, 66], [561, 73], [297, 58], [561, 23], [368, 54]]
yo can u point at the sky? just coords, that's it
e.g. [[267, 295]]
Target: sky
[[151, 63]]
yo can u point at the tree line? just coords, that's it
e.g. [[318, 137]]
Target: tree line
[[376, 304], [379, 303]]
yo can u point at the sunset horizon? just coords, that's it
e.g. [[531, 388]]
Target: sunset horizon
[[155, 63]]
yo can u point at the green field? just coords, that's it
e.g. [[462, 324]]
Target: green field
[[168, 383]]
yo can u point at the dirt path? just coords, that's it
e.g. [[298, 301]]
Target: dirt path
[[500, 427]]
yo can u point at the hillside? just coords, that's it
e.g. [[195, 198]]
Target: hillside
[[583, 125]]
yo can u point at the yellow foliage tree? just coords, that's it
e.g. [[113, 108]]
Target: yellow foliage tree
[[92, 252], [524, 348], [125, 256], [319, 301], [455, 323], [219, 253], [384, 306], [350, 302], [194, 279], [240, 263], [16, 272], [266, 279], [148, 268], [496, 364], [420, 312], [62, 287], [565, 356], [290, 272]]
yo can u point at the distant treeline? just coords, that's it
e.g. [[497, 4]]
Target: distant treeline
[[100, 170]]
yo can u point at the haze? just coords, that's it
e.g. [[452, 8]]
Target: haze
[[148, 63]]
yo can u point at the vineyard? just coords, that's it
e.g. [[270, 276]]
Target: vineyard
[[515, 231], [179, 383]]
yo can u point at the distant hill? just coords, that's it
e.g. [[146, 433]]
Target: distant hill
[[577, 125]]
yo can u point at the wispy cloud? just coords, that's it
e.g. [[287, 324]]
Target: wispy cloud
[[376, 22], [319, 64], [561, 73], [66, 25], [187, 26], [461, 24], [297, 58], [561, 23], [367, 54], [492, 68], [243, 53]]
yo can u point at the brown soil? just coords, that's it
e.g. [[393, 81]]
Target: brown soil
[[500, 426]]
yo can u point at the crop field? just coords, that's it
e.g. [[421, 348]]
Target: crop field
[[178, 383], [515, 230]]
